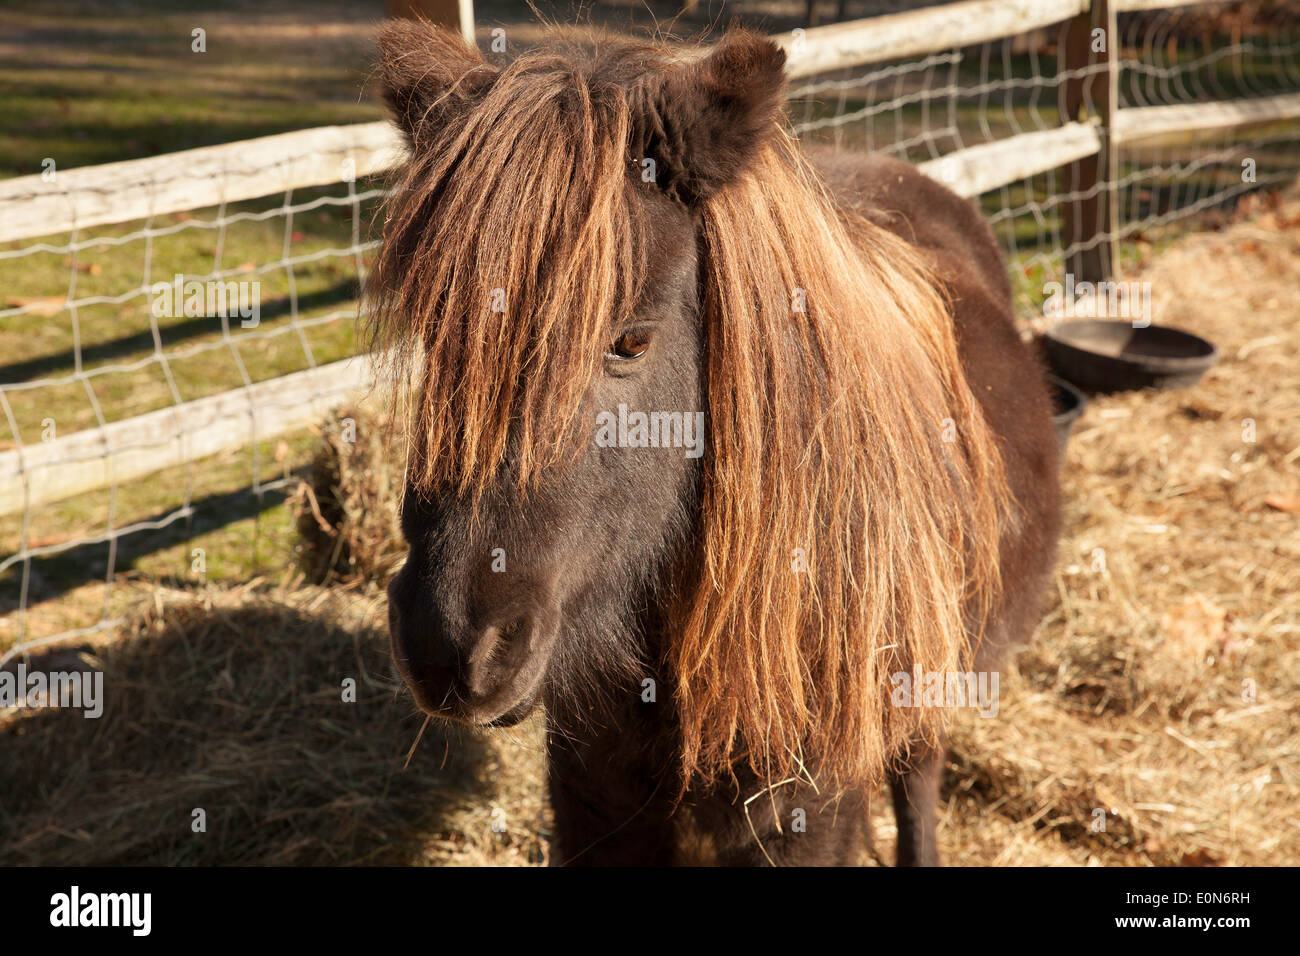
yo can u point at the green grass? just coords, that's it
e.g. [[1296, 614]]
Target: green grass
[[95, 82], [242, 535], [200, 362]]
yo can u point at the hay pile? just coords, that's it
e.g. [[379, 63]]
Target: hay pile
[[1164, 685], [232, 702], [346, 509]]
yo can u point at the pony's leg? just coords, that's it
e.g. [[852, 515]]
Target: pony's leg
[[916, 801], [608, 812], [811, 832], [592, 831]]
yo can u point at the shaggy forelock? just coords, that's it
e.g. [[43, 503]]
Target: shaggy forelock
[[513, 246]]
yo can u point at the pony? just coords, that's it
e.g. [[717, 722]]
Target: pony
[[595, 244]]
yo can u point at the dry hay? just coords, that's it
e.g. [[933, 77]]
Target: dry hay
[[232, 702], [1163, 685], [346, 509]]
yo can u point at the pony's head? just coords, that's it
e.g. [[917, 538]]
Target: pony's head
[[672, 408]]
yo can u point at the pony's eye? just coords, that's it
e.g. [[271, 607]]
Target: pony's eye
[[630, 345]]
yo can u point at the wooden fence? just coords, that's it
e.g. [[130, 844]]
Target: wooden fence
[[1092, 128]]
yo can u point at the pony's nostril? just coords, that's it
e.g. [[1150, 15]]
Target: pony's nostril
[[499, 654], [516, 631]]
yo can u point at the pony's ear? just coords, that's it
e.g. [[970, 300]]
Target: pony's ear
[[428, 74], [702, 122]]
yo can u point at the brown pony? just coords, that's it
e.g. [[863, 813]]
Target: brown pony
[[588, 253]]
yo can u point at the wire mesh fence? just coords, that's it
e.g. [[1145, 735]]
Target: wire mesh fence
[[925, 108], [131, 324], [108, 324]]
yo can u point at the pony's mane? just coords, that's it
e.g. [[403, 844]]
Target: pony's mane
[[843, 538], [515, 218]]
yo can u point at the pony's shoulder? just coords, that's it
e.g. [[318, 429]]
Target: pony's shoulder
[[878, 184], [897, 196]]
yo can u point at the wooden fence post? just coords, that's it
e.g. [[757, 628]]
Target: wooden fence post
[[456, 14], [1090, 220]]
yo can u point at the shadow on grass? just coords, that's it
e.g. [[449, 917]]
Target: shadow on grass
[[58, 574], [235, 708], [175, 333]]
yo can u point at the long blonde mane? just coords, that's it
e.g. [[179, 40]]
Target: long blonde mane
[[846, 539]]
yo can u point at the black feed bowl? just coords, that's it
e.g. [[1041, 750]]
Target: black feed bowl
[[1101, 356], [1068, 404]]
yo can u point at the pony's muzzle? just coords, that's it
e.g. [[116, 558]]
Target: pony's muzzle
[[471, 672]]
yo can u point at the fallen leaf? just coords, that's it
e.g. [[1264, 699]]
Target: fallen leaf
[[1198, 858], [1290, 503], [50, 305]]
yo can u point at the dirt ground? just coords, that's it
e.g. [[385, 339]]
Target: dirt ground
[[1152, 722]]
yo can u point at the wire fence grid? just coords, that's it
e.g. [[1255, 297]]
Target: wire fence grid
[[927, 108]]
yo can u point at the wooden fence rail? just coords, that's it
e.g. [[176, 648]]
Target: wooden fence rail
[[125, 450], [193, 178], [1092, 128], [918, 32]]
